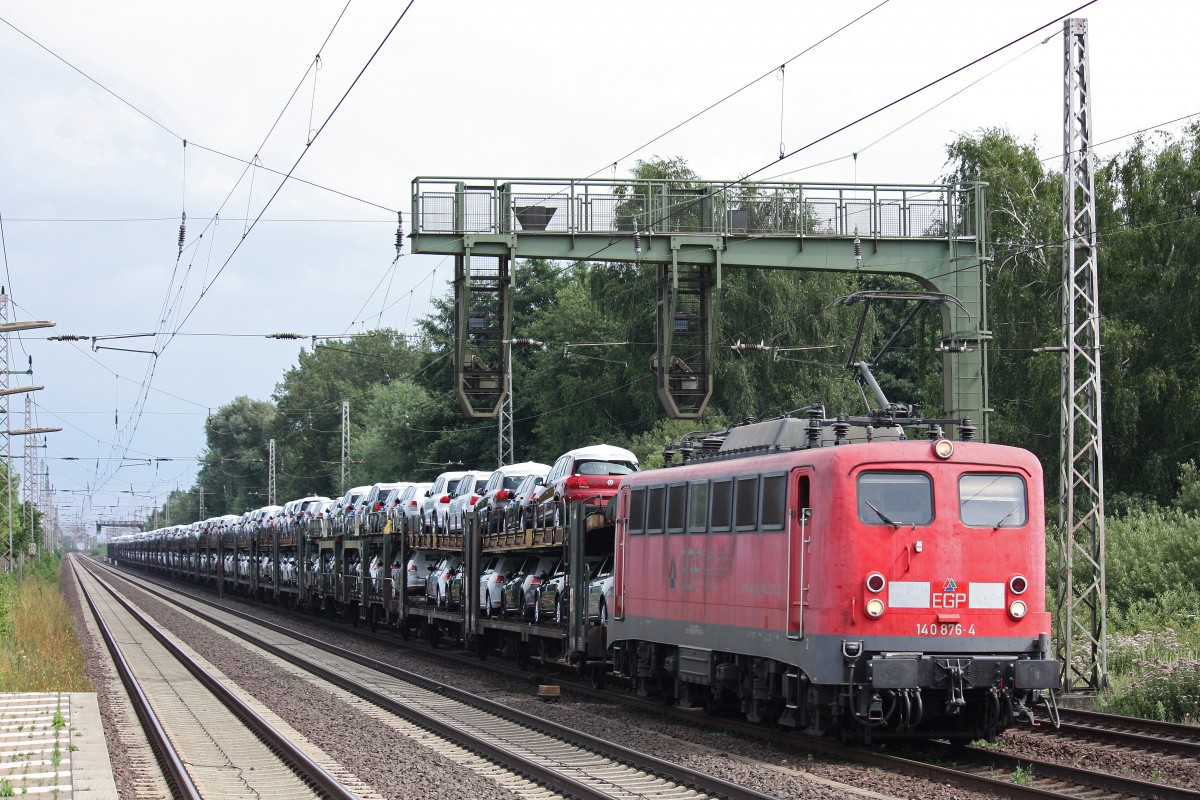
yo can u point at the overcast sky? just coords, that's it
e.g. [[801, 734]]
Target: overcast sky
[[93, 182]]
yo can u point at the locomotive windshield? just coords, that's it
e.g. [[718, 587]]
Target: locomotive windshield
[[895, 498], [992, 501]]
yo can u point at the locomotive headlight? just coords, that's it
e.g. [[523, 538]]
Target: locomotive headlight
[[943, 448], [875, 583], [1018, 584], [1017, 609], [874, 608]]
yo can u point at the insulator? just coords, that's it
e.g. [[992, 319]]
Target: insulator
[[966, 430], [934, 433], [841, 429], [668, 455], [637, 243], [182, 231], [399, 233], [857, 251]]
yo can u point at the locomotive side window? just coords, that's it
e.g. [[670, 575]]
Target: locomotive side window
[[637, 510], [992, 500], [676, 507], [895, 498], [654, 509], [774, 501], [720, 517], [746, 500], [697, 507]]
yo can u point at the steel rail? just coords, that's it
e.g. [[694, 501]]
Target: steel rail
[[300, 763], [1136, 732], [169, 761], [1115, 786], [677, 773]]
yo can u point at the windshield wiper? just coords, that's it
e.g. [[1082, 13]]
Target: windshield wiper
[[882, 516], [1004, 519]]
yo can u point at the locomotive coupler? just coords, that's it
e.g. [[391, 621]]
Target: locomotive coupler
[[956, 670]]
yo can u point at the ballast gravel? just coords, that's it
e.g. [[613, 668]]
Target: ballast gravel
[[400, 768]]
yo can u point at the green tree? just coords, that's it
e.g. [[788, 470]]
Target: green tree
[[308, 425], [233, 467], [1150, 281], [1024, 228], [389, 448]]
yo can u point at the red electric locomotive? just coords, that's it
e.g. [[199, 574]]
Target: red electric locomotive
[[830, 575]]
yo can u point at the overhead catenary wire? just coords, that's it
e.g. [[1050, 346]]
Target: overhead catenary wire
[[741, 89], [409, 298], [648, 226], [300, 158], [209, 282]]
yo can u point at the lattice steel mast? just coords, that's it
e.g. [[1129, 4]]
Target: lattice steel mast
[[271, 473], [345, 440], [1082, 604], [29, 480], [504, 445], [6, 498]]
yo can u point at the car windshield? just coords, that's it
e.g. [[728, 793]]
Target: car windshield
[[604, 468], [512, 482]]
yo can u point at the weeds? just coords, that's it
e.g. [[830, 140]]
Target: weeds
[[38, 649], [1022, 776], [1155, 674]]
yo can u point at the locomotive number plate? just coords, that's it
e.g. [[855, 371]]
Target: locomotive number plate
[[944, 629]]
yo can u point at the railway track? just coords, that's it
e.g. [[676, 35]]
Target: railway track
[[1129, 732], [206, 749], [975, 768], [566, 761]]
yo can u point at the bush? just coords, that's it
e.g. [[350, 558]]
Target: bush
[[1151, 554], [1153, 580]]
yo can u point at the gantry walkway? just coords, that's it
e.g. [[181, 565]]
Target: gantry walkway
[[692, 231]]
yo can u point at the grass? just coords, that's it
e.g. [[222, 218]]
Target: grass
[[38, 649]]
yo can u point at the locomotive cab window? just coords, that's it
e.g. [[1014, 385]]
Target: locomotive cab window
[[895, 498], [992, 500]]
